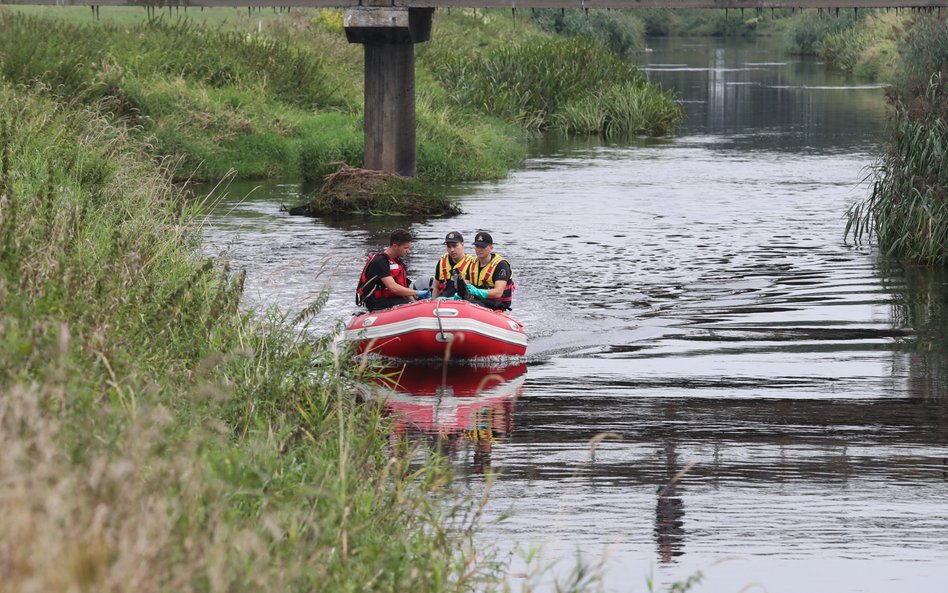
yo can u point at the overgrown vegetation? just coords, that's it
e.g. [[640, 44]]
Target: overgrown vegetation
[[286, 102], [621, 31], [664, 22], [574, 84], [864, 44], [155, 437], [906, 212]]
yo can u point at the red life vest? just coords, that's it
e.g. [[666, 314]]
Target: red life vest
[[399, 274], [445, 267]]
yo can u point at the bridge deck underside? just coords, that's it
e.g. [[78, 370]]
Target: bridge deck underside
[[591, 4]]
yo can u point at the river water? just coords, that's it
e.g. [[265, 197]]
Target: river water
[[770, 401]]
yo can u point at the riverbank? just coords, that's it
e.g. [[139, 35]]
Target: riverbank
[[154, 435], [281, 96]]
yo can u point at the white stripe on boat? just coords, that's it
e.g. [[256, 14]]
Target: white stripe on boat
[[461, 324]]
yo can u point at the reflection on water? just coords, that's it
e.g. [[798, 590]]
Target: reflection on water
[[461, 411], [921, 303], [694, 297], [670, 512]]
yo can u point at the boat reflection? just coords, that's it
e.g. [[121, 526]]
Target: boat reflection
[[462, 411]]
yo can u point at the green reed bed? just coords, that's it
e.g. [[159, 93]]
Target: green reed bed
[[153, 436], [574, 84], [907, 212]]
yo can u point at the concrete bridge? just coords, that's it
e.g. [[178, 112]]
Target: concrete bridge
[[388, 30]]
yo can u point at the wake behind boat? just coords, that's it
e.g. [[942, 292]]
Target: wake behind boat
[[437, 329]]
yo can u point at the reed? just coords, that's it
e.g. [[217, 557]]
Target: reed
[[532, 83], [906, 212], [622, 110], [924, 49], [155, 436]]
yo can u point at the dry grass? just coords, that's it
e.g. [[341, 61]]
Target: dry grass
[[153, 437]]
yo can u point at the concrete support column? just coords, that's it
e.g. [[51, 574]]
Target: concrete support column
[[388, 35], [390, 108]]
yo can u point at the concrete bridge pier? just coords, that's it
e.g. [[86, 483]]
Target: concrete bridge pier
[[388, 35]]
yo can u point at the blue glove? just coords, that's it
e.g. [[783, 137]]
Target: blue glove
[[423, 294], [473, 291]]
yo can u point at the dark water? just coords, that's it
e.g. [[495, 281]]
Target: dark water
[[693, 298]]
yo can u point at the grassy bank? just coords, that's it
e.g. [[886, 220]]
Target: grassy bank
[[906, 213], [864, 43], [274, 95], [285, 101], [153, 436]]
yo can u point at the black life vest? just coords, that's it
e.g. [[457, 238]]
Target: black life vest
[[399, 274]]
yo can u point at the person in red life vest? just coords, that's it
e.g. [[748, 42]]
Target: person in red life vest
[[384, 279], [453, 265], [492, 283]]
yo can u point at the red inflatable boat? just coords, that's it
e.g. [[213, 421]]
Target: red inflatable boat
[[438, 329]]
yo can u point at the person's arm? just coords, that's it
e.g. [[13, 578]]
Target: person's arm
[[501, 275], [397, 288], [498, 290]]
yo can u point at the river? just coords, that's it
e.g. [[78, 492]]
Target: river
[[770, 400]]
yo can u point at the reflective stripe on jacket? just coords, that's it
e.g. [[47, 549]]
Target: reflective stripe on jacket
[[445, 267], [483, 277]]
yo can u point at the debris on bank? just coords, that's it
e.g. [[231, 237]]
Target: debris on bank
[[351, 190]]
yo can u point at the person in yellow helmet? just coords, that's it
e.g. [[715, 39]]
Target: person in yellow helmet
[[454, 267], [492, 283]]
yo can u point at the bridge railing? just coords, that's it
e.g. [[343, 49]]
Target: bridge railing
[[510, 4]]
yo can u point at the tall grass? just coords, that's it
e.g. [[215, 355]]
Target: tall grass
[[629, 109], [864, 44], [153, 436], [867, 48], [621, 31], [925, 51], [547, 84], [906, 212], [809, 29]]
